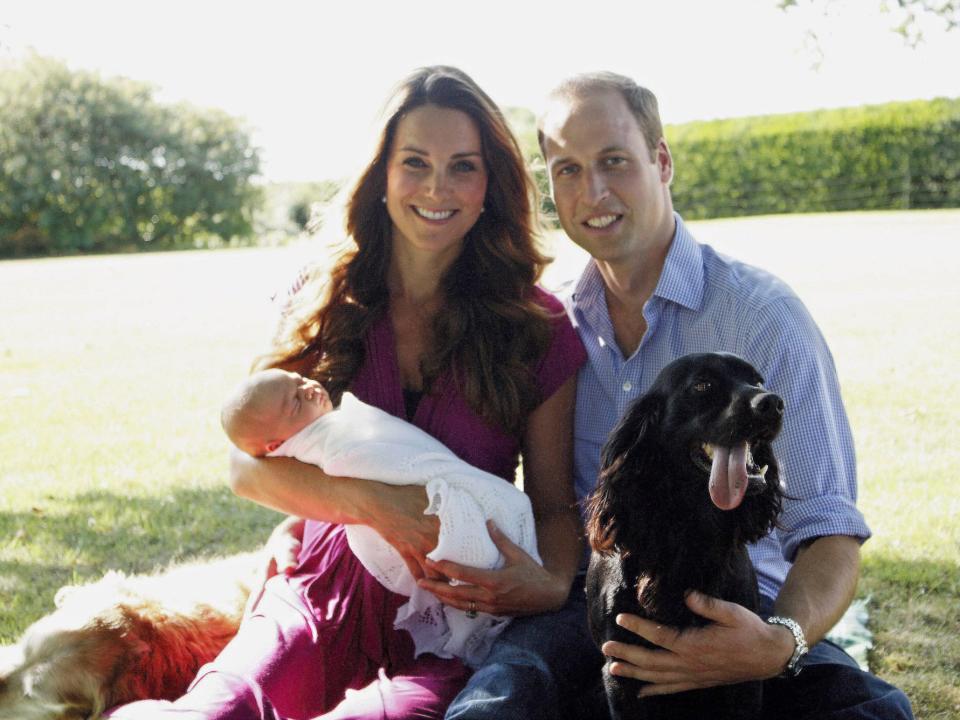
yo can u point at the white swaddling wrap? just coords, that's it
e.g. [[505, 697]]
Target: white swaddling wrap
[[361, 441]]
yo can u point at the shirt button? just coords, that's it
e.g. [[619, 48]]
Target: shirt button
[[627, 386]]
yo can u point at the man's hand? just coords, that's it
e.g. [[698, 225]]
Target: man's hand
[[737, 646], [520, 587]]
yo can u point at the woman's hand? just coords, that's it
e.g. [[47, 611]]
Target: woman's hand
[[397, 515], [520, 587]]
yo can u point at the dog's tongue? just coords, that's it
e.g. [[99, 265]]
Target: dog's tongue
[[728, 476]]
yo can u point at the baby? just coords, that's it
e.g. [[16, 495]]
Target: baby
[[271, 406], [280, 413]]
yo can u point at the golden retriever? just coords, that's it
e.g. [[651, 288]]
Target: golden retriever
[[124, 638]]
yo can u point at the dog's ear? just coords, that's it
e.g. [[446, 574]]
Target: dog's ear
[[764, 509], [628, 457], [636, 427]]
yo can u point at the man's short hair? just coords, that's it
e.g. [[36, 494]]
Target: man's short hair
[[641, 101]]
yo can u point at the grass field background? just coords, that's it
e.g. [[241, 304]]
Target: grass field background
[[112, 370]]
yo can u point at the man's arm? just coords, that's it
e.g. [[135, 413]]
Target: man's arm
[[820, 586], [739, 646]]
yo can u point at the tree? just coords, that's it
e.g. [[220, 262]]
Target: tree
[[908, 14], [307, 201], [88, 164], [523, 123]]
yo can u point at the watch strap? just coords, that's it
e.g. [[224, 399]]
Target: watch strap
[[800, 644]]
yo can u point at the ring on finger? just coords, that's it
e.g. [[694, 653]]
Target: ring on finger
[[472, 609]]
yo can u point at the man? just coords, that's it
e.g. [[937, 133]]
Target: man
[[651, 294]]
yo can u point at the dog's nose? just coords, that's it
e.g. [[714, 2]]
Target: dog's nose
[[768, 405]]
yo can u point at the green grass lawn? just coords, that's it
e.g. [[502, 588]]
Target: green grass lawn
[[112, 370]]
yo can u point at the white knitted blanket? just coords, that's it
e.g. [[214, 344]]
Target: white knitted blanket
[[361, 441]]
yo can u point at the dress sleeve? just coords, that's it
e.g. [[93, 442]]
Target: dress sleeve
[[566, 354]]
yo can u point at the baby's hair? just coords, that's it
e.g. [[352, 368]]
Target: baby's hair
[[242, 417]]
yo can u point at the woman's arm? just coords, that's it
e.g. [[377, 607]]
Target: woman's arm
[[521, 586], [548, 480], [296, 488]]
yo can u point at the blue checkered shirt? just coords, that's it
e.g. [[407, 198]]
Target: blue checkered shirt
[[705, 301]]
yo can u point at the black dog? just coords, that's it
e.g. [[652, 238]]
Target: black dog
[[688, 479]]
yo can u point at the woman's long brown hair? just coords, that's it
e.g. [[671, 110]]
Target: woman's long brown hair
[[490, 330]]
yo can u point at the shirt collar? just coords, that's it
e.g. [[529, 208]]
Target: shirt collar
[[681, 280], [589, 300]]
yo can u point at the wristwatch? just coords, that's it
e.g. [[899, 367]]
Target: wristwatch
[[795, 663]]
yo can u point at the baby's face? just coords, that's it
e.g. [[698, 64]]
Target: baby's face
[[297, 402]]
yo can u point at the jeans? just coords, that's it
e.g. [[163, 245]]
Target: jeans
[[538, 668], [546, 666]]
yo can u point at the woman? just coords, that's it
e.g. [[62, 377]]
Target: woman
[[431, 315]]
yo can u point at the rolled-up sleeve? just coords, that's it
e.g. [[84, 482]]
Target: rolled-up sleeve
[[815, 449]]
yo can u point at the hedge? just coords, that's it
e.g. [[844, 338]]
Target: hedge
[[898, 155]]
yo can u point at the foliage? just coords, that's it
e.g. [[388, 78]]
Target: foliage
[[908, 16], [292, 210], [91, 165], [523, 123], [899, 155], [308, 199]]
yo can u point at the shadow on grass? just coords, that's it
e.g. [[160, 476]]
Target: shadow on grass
[[77, 539]]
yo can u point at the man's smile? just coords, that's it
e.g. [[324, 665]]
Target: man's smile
[[600, 222]]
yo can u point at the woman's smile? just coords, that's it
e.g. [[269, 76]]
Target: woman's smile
[[433, 215]]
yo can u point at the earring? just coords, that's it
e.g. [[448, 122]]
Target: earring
[[482, 208], [384, 199]]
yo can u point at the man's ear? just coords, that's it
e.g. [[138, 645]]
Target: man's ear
[[273, 445], [545, 166], [664, 161]]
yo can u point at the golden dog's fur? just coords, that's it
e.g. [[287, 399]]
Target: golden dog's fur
[[122, 639]]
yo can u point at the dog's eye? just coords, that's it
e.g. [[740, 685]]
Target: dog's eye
[[701, 387]]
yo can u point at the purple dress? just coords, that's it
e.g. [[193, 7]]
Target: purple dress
[[321, 643]]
